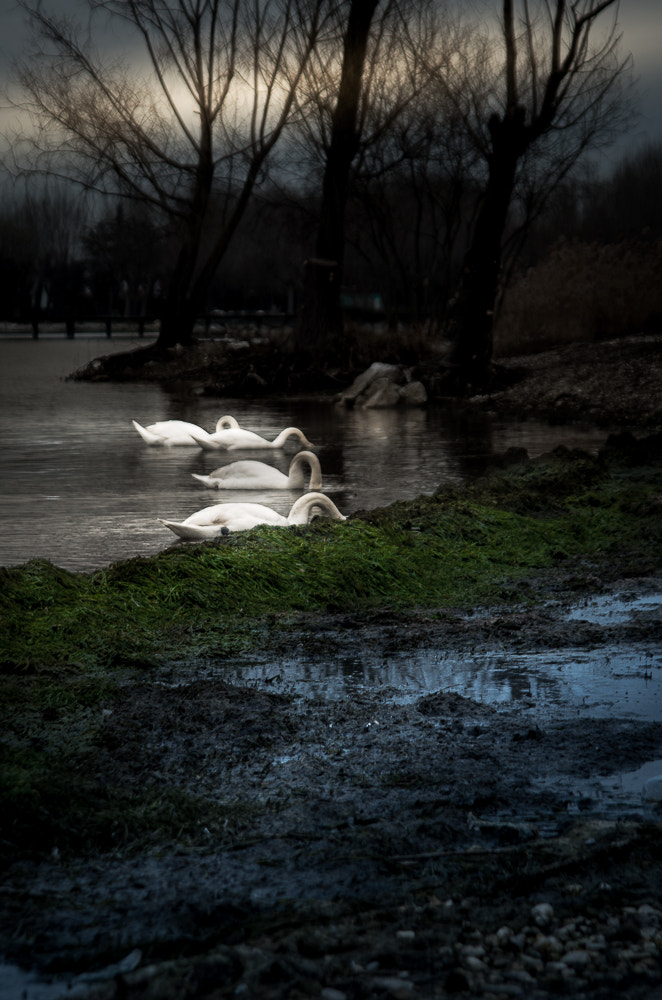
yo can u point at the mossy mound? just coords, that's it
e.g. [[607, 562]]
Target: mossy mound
[[459, 547]]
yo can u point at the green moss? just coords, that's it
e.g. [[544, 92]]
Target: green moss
[[459, 547], [68, 641]]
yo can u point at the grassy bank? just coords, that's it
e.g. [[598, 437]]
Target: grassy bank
[[71, 642]]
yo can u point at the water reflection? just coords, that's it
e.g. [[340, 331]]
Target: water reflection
[[597, 683], [80, 488]]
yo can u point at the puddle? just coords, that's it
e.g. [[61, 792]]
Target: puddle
[[19, 984], [614, 796], [610, 681], [618, 679], [610, 610]]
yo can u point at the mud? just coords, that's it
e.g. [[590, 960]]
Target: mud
[[371, 845]]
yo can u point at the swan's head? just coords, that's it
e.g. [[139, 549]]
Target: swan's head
[[303, 508]]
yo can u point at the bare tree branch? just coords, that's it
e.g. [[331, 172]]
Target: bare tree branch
[[190, 124]]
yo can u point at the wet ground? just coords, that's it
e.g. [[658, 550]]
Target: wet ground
[[388, 836], [413, 806]]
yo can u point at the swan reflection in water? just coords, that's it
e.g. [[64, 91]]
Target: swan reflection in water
[[222, 518]]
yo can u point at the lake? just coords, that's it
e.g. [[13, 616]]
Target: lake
[[80, 488]]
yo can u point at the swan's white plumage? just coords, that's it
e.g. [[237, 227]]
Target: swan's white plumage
[[223, 517], [178, 433], [251, 475], [234, 438]]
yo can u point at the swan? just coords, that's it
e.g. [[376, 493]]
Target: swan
[[233, 438], [249, 475], [221, 518], [180, 432]]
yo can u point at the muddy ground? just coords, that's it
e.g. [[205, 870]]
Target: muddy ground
[[370, 847]]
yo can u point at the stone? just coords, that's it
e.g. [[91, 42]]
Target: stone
[[413, 394], [361, 383], [652, 790], [383, 395], [542, 914], [577, 959]]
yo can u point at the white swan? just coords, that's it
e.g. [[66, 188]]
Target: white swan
[[250, 475], [179, 432], [233, 438], [221, 518]]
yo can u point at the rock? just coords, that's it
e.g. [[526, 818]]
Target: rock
[[413, 394], [384, 395], [382, 386], [361, 383], [652, 789], [542, 914], [577, 958], [399, 989]]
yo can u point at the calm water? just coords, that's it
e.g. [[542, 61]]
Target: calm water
[[79, 487]]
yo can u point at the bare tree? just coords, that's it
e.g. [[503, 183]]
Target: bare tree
[[321, 317], [187, 128], [356, 91], [559, 94], [415, 181]]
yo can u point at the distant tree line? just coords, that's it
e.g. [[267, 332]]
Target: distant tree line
[[412, 150], [53, 259]]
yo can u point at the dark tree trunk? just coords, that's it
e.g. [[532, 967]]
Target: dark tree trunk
[[177, 322], [320, 322], [471, 315], [179, 310]]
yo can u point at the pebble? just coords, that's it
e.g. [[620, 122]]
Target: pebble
[[399, 989], [577, 959], [556, 955], [542, 914], [652, 789]]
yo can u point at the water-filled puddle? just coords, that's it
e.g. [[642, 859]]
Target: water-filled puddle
[[609, 681], [617, 678], [605, 609]]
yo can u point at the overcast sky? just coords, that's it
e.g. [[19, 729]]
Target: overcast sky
[[640, 22]]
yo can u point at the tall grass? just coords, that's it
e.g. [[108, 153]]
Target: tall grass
[[582, 292]]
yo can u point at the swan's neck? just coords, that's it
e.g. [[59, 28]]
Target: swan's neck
[[296, 477], [225, 423], [288, 433], [303, 507]]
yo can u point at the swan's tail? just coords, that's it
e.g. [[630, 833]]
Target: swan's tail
[[146, 435], [192, 532], [207, 443], [207, 480]]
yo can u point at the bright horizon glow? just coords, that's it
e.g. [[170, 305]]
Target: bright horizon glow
[[640, 22]]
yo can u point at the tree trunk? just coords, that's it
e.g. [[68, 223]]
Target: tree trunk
[[178, 312], [320, 322], [471, 319], [177, 322]]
